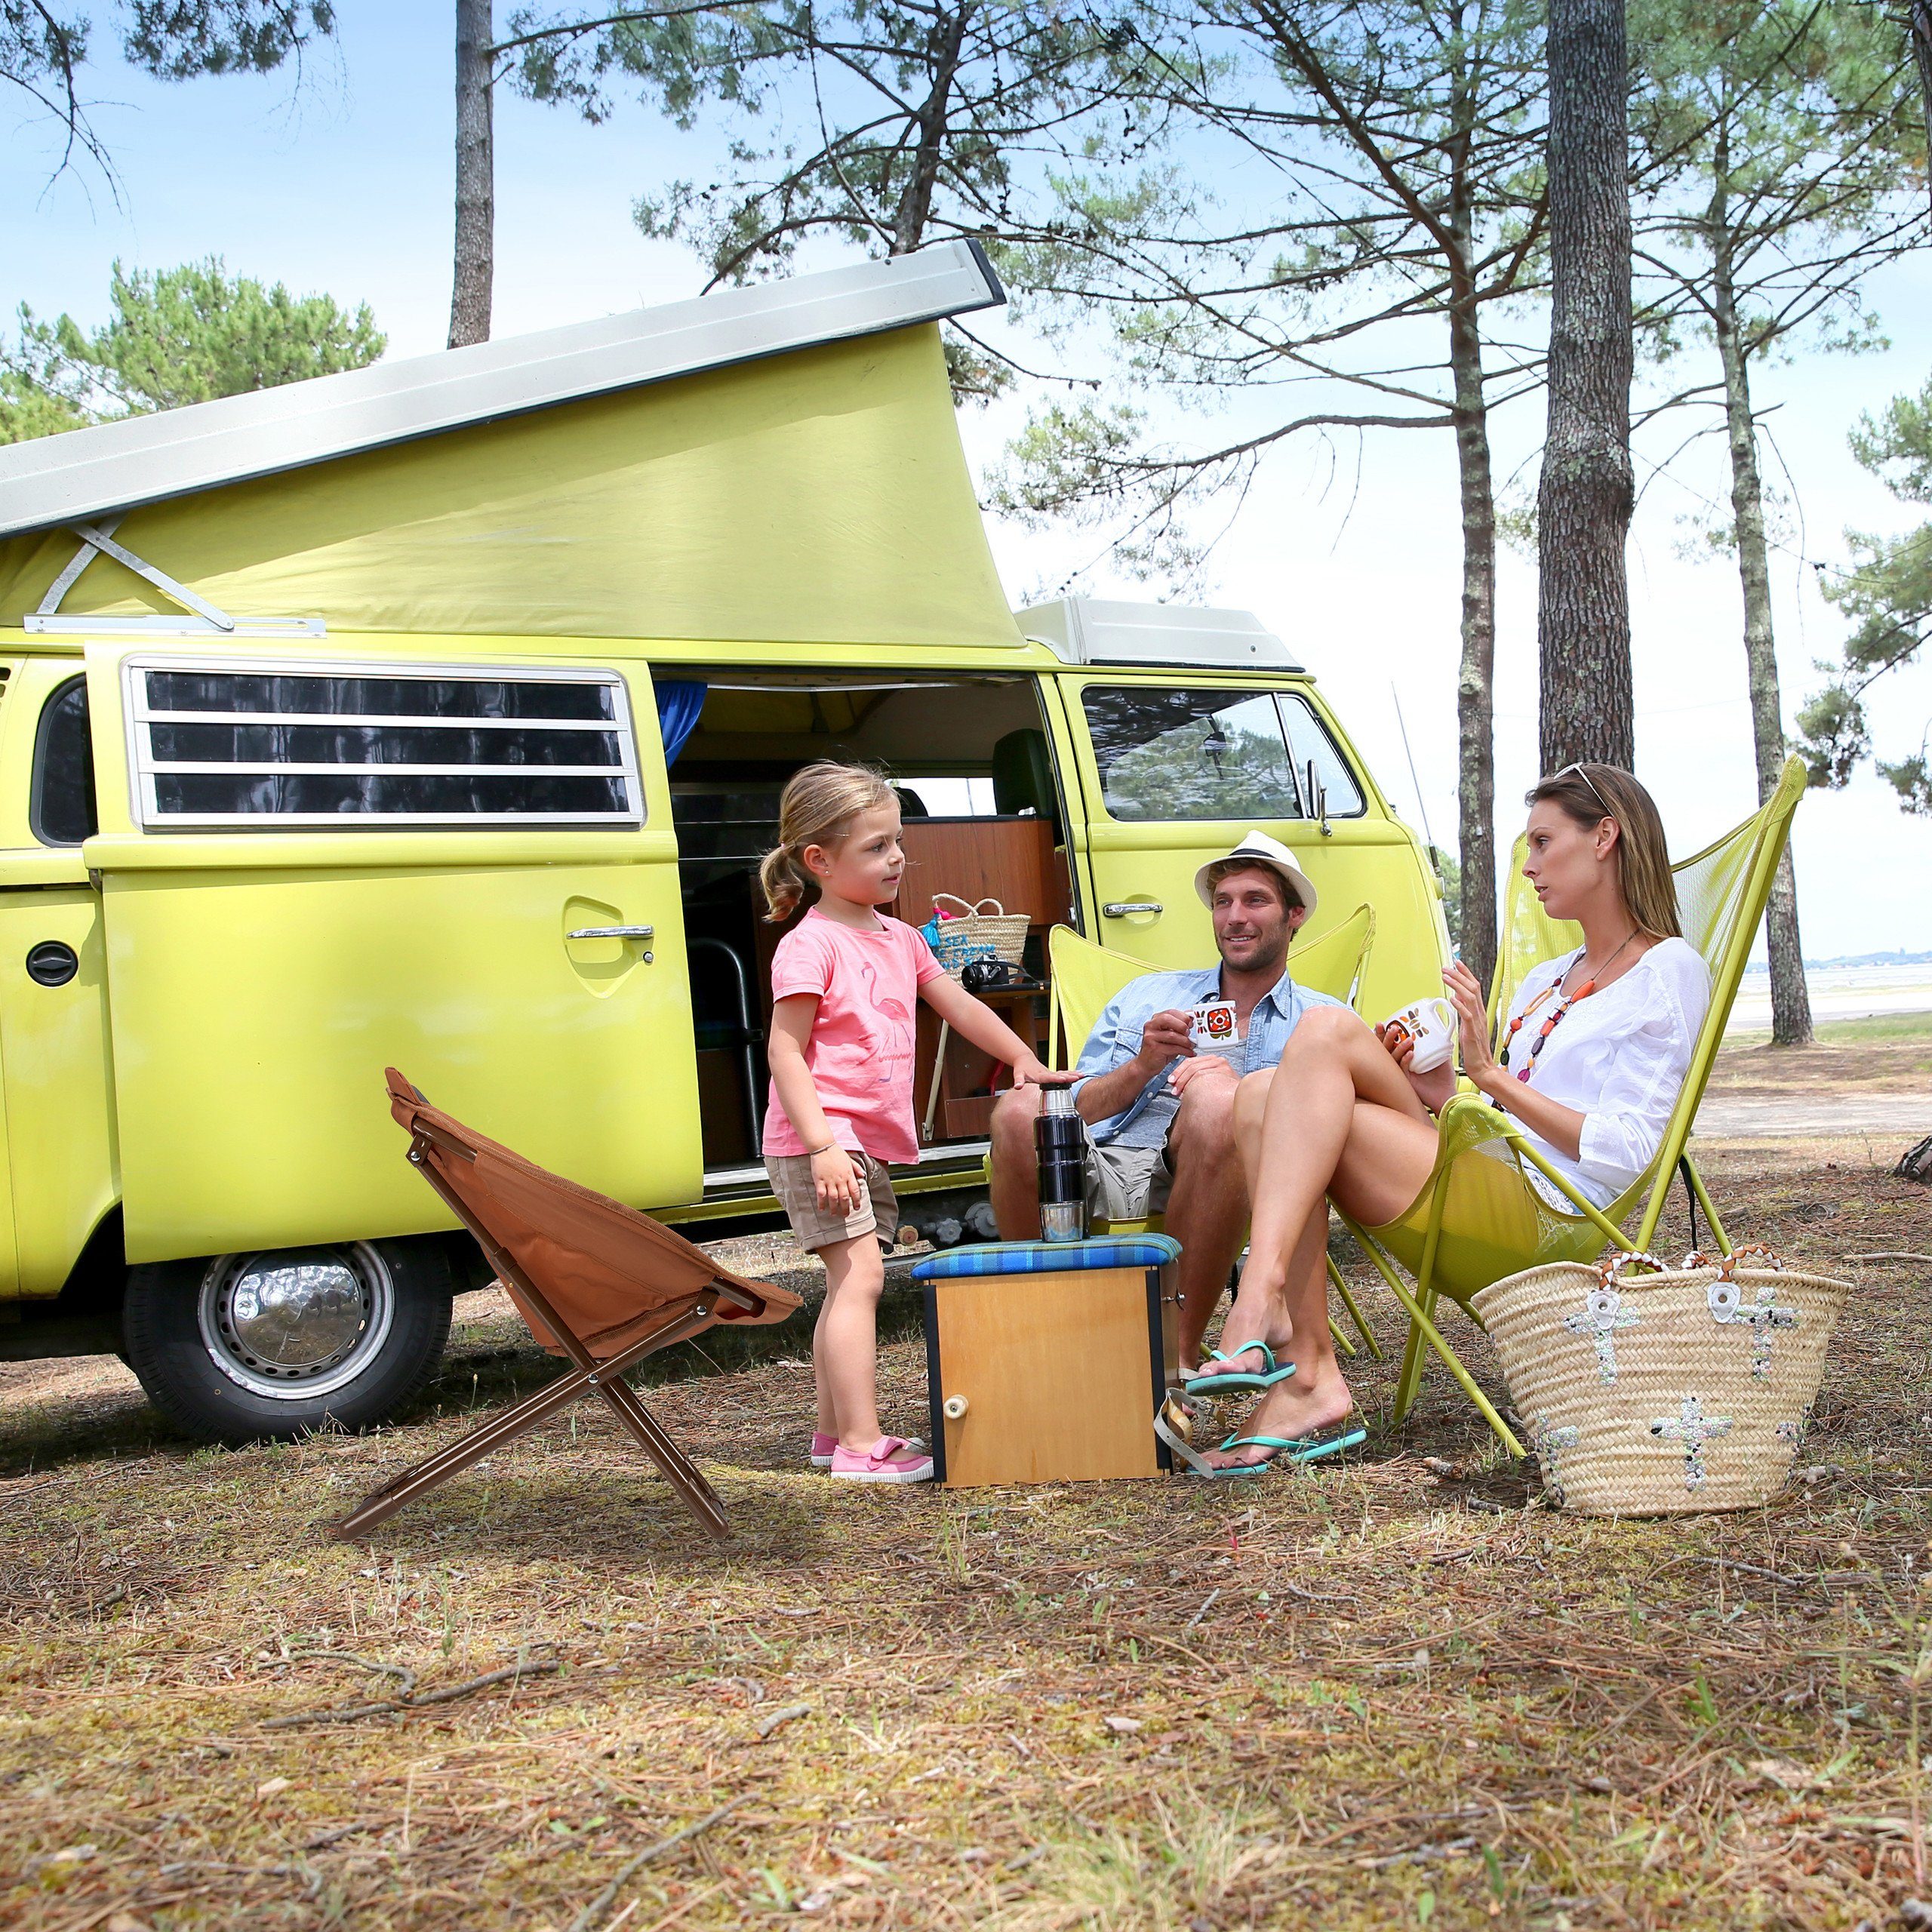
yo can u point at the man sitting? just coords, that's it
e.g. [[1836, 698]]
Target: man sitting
[[1159, 1111]]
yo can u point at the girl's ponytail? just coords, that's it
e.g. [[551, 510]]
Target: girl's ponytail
[[818, 804], [783, 881]]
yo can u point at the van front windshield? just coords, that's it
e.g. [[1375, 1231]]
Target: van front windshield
[[1207, 753]]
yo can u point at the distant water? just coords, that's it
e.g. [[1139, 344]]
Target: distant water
[[1838, 992]]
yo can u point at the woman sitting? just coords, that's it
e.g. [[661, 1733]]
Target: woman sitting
[[1594, 1052]]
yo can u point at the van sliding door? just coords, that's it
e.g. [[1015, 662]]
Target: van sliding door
[[313, 868]]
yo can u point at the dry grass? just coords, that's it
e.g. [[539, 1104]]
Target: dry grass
[[1366, 1696]]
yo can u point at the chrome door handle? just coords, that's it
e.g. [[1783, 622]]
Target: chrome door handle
[[1119, 909], [611, 932]]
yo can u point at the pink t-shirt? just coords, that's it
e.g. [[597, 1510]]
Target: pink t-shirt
[[860, 1052]]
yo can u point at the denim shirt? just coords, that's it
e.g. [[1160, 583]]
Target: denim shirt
[[1115, 1039]]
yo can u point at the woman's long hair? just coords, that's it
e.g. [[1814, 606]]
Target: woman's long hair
[[817, 807], [1590, 793]]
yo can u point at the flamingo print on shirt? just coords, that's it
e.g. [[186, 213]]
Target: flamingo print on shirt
[[898, 1035]]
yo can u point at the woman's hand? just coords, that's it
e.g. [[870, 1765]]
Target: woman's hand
[[1433, 1089], [835, 1176], [1472, 1020], [1202, 1066]]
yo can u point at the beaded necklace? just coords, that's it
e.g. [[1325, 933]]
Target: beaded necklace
[[1564, 1003]]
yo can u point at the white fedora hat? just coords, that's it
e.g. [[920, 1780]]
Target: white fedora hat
[[1260, 849]]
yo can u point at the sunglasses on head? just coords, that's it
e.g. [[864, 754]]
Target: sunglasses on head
[[1608, 810]]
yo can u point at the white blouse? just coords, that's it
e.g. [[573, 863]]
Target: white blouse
[[1618, 1057]]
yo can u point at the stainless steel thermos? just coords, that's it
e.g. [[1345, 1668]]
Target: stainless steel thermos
[[1059, 1136]]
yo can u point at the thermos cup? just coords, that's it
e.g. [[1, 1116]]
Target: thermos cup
[[1060, 1136]]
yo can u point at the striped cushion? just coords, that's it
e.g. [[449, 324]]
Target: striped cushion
[[1048, 1257]]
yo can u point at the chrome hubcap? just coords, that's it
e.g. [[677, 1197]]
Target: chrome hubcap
[[295, 1323]]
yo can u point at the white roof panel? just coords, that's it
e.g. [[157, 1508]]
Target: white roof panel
[[85, 473], [1092, 630]]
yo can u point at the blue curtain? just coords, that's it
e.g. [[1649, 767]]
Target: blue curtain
[[679, 701]]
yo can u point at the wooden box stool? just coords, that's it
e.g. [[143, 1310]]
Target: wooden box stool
[[1046, 1361]]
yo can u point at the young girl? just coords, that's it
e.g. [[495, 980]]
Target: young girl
[[845, 981]]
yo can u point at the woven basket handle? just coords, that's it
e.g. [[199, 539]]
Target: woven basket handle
[[965, 910], [998, 907], [1613, 1265], [1727, 1264]]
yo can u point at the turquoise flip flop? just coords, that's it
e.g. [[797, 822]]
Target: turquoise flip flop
[[1330, 1441], [1241, 1381]]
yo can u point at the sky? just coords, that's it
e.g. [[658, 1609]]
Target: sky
[[342, 184]]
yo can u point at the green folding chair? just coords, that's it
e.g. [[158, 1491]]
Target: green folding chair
[[1085, 976], [1474, 1222]]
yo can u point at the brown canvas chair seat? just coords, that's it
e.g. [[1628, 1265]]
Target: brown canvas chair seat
[[598, 1283]]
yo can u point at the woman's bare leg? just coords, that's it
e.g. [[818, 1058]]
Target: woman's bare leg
[[1335, 1103]]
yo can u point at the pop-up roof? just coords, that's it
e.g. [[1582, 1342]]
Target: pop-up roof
[[777, 463]]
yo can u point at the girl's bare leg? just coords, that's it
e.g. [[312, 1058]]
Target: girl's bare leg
[[845, 1343]]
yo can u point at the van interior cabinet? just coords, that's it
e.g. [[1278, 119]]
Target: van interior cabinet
[[1010, 860], [963, 1109]]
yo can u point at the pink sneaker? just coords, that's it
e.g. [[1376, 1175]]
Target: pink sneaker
[[825, 1446], [891, 1458]]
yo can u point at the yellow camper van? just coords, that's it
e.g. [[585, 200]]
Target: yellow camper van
[[434, 716]]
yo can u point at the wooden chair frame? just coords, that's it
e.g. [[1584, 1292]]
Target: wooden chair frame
[[588, 1374]]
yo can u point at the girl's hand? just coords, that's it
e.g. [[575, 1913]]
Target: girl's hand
[[1466, 995], [1029, 1070], [835, 1176]]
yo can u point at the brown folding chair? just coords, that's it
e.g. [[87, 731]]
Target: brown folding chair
[[596, 1281]]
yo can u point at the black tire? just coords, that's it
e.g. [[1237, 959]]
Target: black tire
[[200, 1367]]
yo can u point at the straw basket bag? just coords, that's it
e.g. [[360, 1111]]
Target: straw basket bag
[[972, 933], [1689, 1388]]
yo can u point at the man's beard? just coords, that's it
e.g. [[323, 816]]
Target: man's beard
[[1263, 959]]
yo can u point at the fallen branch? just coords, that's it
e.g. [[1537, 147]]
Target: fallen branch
[[593, 1914], [1888, 1256], [408, 1701]]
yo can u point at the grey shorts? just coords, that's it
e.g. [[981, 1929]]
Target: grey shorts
[[1127, 1183], [817, 1227]]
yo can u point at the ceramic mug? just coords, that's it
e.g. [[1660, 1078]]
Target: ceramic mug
[[1431, 1023]]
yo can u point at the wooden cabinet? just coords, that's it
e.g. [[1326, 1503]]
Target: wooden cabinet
[[1011, 860]]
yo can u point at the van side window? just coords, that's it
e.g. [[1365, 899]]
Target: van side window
[[258, 748], [1165, 753], [60, 802]]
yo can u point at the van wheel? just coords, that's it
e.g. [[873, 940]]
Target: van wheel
[[277, 1343]]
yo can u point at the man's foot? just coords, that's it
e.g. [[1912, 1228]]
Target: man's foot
[[1291, 1415]]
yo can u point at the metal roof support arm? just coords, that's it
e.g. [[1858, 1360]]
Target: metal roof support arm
[[96, 538]]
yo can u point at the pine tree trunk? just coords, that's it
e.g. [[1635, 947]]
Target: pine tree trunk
[[475, 176], [1475, 681], [1791, 999], [1584, 497]]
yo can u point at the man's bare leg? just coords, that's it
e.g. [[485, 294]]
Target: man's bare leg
[[1015, 1189], [1206, 1210]]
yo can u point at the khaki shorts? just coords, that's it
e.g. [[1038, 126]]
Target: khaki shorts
[[1127, 1183], [817, 1227]]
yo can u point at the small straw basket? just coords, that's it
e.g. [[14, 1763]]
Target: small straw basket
[[1688, 1389], [972, 933]]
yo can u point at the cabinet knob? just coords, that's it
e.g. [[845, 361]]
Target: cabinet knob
[[954, 1407]]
